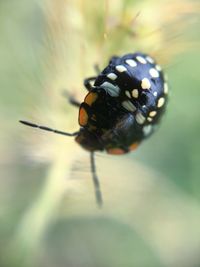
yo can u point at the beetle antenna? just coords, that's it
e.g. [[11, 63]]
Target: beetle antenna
[[30, 124], [95, 179]]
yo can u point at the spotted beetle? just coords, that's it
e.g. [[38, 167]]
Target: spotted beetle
[[124, 104]]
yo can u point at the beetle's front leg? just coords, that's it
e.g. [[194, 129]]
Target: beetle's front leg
[[71, 99], [87, 83]]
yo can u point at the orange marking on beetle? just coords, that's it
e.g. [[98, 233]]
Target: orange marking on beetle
[[83, 117], [133, 146], [90, 98], [116, 151]]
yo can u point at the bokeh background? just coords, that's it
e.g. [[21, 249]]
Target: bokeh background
[[48, 215]]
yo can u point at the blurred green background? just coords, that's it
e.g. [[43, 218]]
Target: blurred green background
[[48, 216]]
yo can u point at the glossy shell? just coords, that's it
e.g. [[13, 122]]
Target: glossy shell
[[126, 102]]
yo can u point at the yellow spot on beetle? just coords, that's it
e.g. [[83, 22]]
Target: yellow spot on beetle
[[161, 102], [152, 113], [135, 93], [145, 84]]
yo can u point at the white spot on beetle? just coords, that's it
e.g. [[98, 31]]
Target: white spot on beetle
[[127, 93], [112, 76], [120, 68], [149, 119], [154, 73], [147, 129], [161, 102], [111, 89], [149, 59], [135, 93], [141, 59], [155, 93], [140, 118], [145, 84], [165, 77], [128, 105], [158, 67], [131, 62], [166, 88]]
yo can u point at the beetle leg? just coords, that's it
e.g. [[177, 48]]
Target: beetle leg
[[87, 83], [97, 69], [96, 183], [70, 98]]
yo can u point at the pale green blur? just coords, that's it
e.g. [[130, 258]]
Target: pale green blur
[[48, 215]]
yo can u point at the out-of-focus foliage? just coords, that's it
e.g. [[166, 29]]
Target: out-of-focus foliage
[[48, 215]]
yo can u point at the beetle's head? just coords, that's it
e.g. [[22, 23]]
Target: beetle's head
[[88, 140]]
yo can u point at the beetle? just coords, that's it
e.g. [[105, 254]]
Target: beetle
[[124, 103]]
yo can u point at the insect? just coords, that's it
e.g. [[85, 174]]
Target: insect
[[123, 105]]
